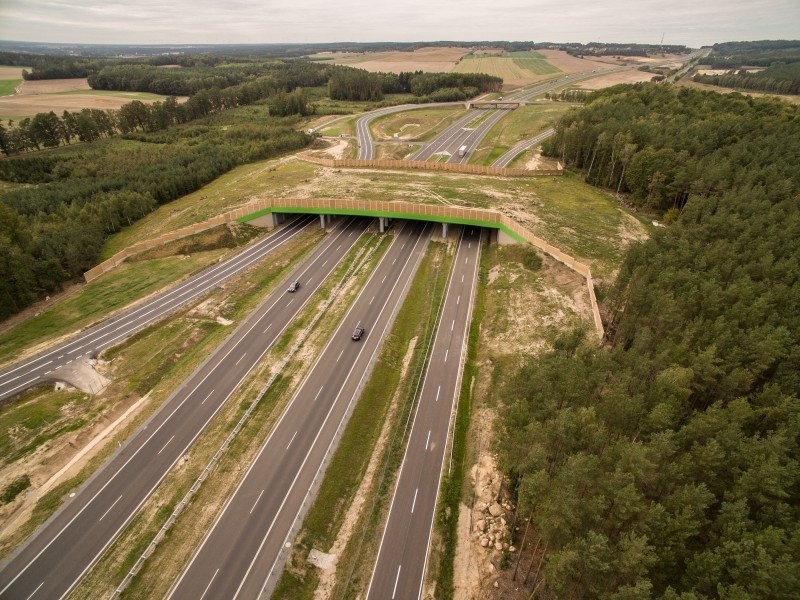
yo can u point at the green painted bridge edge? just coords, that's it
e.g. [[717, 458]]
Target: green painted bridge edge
[[378, 213]]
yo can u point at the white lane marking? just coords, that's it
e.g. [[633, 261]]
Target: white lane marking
[[466, 260], [462, 279], [241, 357], [69, 361], [453, 324], [22, 385], [338, 247], [291, 440], [458, 300], [165, 445], [414, 503], [209, 584], [256, 502], [340, 355], [439, 389], [34, 591], [290, 302], [318, 393], [325, 263], [396, 579], [109, 508], [373, 298], [268, 326], [446, 352], [469, 245], [428, 440], [403, 246], [195, 286], [394, 261], [50, 371], [207, 397], [384, 279], [135, 453], [59, 357]]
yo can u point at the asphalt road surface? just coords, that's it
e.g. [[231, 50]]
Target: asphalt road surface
[[52, 562], [509, 156], [241, 556], [452, 139], [40, 368], [402, 558], [366, 146]]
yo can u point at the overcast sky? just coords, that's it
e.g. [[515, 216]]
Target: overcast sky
[[690, 22]]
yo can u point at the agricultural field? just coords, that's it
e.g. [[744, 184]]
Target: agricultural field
[[10, 78], [58, 95], [429, 60], [515, 68]]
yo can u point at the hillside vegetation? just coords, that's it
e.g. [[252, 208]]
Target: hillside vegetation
[[781, 59], [665, 464]]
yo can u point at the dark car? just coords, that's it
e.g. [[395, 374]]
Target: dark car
[[359, 331], [294, 287]]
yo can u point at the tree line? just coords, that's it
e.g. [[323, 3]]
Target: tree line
[[666, 464], [286, 75], [48, 130], [781, 79], [763, 53], [53, 228], [661, 144], [347, 83]]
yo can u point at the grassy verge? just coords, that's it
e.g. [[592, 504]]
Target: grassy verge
[[519, 124], [129, 282], [155, 360], [165, 564], [419, 124], [7, 86]]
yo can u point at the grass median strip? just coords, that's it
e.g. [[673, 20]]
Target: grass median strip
[[387, 395]]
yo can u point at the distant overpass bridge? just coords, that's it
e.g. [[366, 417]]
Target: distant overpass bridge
[[501, 104]]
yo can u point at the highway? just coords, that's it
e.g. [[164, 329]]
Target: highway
[[40, 368], [241, 556], [402, 557], [52, 561], [457, 135], [366, 146]]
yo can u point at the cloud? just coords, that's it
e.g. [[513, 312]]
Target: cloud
[[248, 21]]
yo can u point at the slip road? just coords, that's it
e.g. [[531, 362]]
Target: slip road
[[40, 368], [54, 560]]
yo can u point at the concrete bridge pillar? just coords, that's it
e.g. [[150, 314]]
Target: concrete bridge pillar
[[322, 221], [504, 239], [445, 228], [382, 224]]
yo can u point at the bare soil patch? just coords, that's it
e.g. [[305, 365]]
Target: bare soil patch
[[11, 72], [605, 81], [429, 60], [58, 95], [52, 86], [572, 64]]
